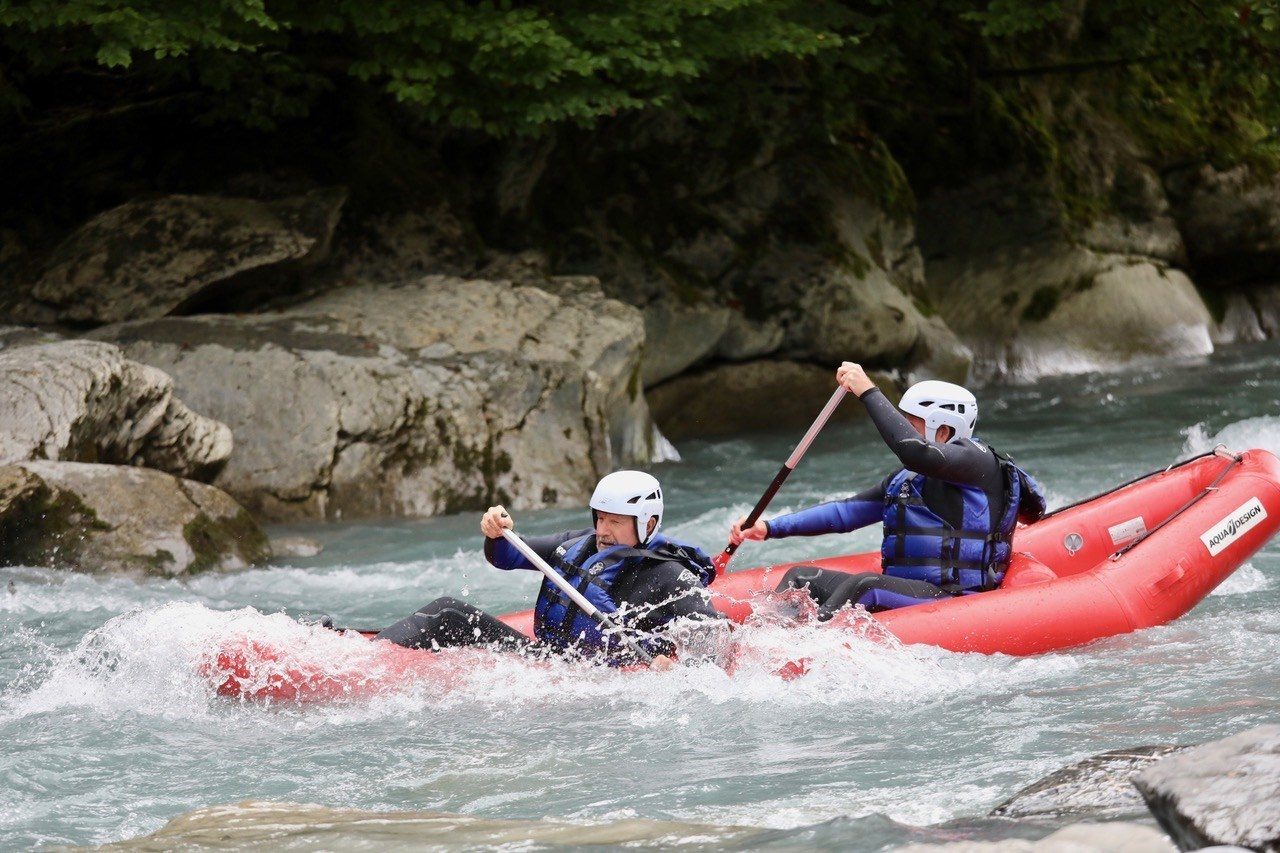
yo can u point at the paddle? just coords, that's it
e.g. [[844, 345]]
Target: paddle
[[575, 596], [722, 559]]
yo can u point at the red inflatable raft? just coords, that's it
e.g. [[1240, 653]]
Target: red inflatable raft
[[1138, 556]]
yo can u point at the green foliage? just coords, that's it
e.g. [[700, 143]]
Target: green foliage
[[951, 83]]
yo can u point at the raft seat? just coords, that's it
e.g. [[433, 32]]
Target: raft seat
[[1025, 570]]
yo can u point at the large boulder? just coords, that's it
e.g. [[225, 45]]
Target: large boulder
[[1223, 792], [111, 518], [332, 423], [1099, 787], [563, 320], [1031, 298], [182, 253], [757, 254], [83, 401]]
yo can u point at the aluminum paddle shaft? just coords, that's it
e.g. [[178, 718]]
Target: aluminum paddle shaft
[[722, 559], [575, 596]]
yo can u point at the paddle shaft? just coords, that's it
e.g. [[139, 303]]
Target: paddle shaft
[[574, 596], [722, 559]]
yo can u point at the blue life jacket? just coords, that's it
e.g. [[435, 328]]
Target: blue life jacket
[[560, 623], [920, 545]]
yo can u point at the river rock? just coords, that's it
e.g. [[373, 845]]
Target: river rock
[[118, 519], [84, 401], [1097, 787], [564, 319], [752, 396], [1077, 838], [1223, 792], [179, 253], [768, 255], [1032, 301], [330, 423]]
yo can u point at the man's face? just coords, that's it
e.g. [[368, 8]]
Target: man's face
[[614, 529]]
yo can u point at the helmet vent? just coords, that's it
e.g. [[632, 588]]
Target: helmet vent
[[636, 499]]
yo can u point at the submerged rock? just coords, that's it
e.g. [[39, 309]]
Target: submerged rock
[[83, 401], [111, 518], [294, 546], [293, 826], [1223, 792], [152, 257], [1097, 787], [332, 424]]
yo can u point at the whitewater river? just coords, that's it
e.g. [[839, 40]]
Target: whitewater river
[[109, 732]]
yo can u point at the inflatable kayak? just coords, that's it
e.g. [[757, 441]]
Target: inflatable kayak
[[1138, 556]]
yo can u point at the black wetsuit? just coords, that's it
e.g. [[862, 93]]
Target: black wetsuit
[[945, 466], [649, 594]]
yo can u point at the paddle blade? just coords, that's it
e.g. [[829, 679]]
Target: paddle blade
[[721, 560]]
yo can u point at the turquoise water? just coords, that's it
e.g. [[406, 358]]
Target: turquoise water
[[110, 732]]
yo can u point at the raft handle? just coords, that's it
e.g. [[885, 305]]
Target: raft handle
[[1204, 493]]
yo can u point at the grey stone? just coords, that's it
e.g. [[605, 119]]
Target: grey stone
[[118, 519], [1097, 787], [149, 258], [1077, 838], [330, 423], [1029, 301], [566, 320], [84, 401], [1223, 792]]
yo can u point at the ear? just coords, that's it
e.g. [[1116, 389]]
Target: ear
[[653, 523], [944, 434]]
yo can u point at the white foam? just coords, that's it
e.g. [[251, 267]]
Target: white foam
[[1246, 579], [1263, 432]]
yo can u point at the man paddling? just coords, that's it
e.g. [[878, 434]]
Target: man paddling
[[622, 565], [949, 513]]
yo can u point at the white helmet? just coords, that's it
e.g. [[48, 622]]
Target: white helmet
[[632, 493], [941, 404]]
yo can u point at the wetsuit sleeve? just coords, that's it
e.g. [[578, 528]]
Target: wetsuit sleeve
[[960, 462], [866, 507], [503, 555]]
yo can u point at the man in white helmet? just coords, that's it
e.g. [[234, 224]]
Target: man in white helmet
[[949, 512], [622, 565]]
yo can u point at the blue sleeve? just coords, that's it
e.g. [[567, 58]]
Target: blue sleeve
[[866, 507], [503, 555]]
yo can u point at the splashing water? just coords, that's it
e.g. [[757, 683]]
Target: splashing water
[[111, 728]]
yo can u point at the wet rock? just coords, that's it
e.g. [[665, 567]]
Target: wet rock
[[1078, 838], [117, 519], [330, 423], [1097, 787], [84, 401], [180, 253], [295, 546], [752, 396], [21, 336], [1223, 792], [1031, 300]]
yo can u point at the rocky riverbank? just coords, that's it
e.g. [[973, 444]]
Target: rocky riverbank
[[316, 357]]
